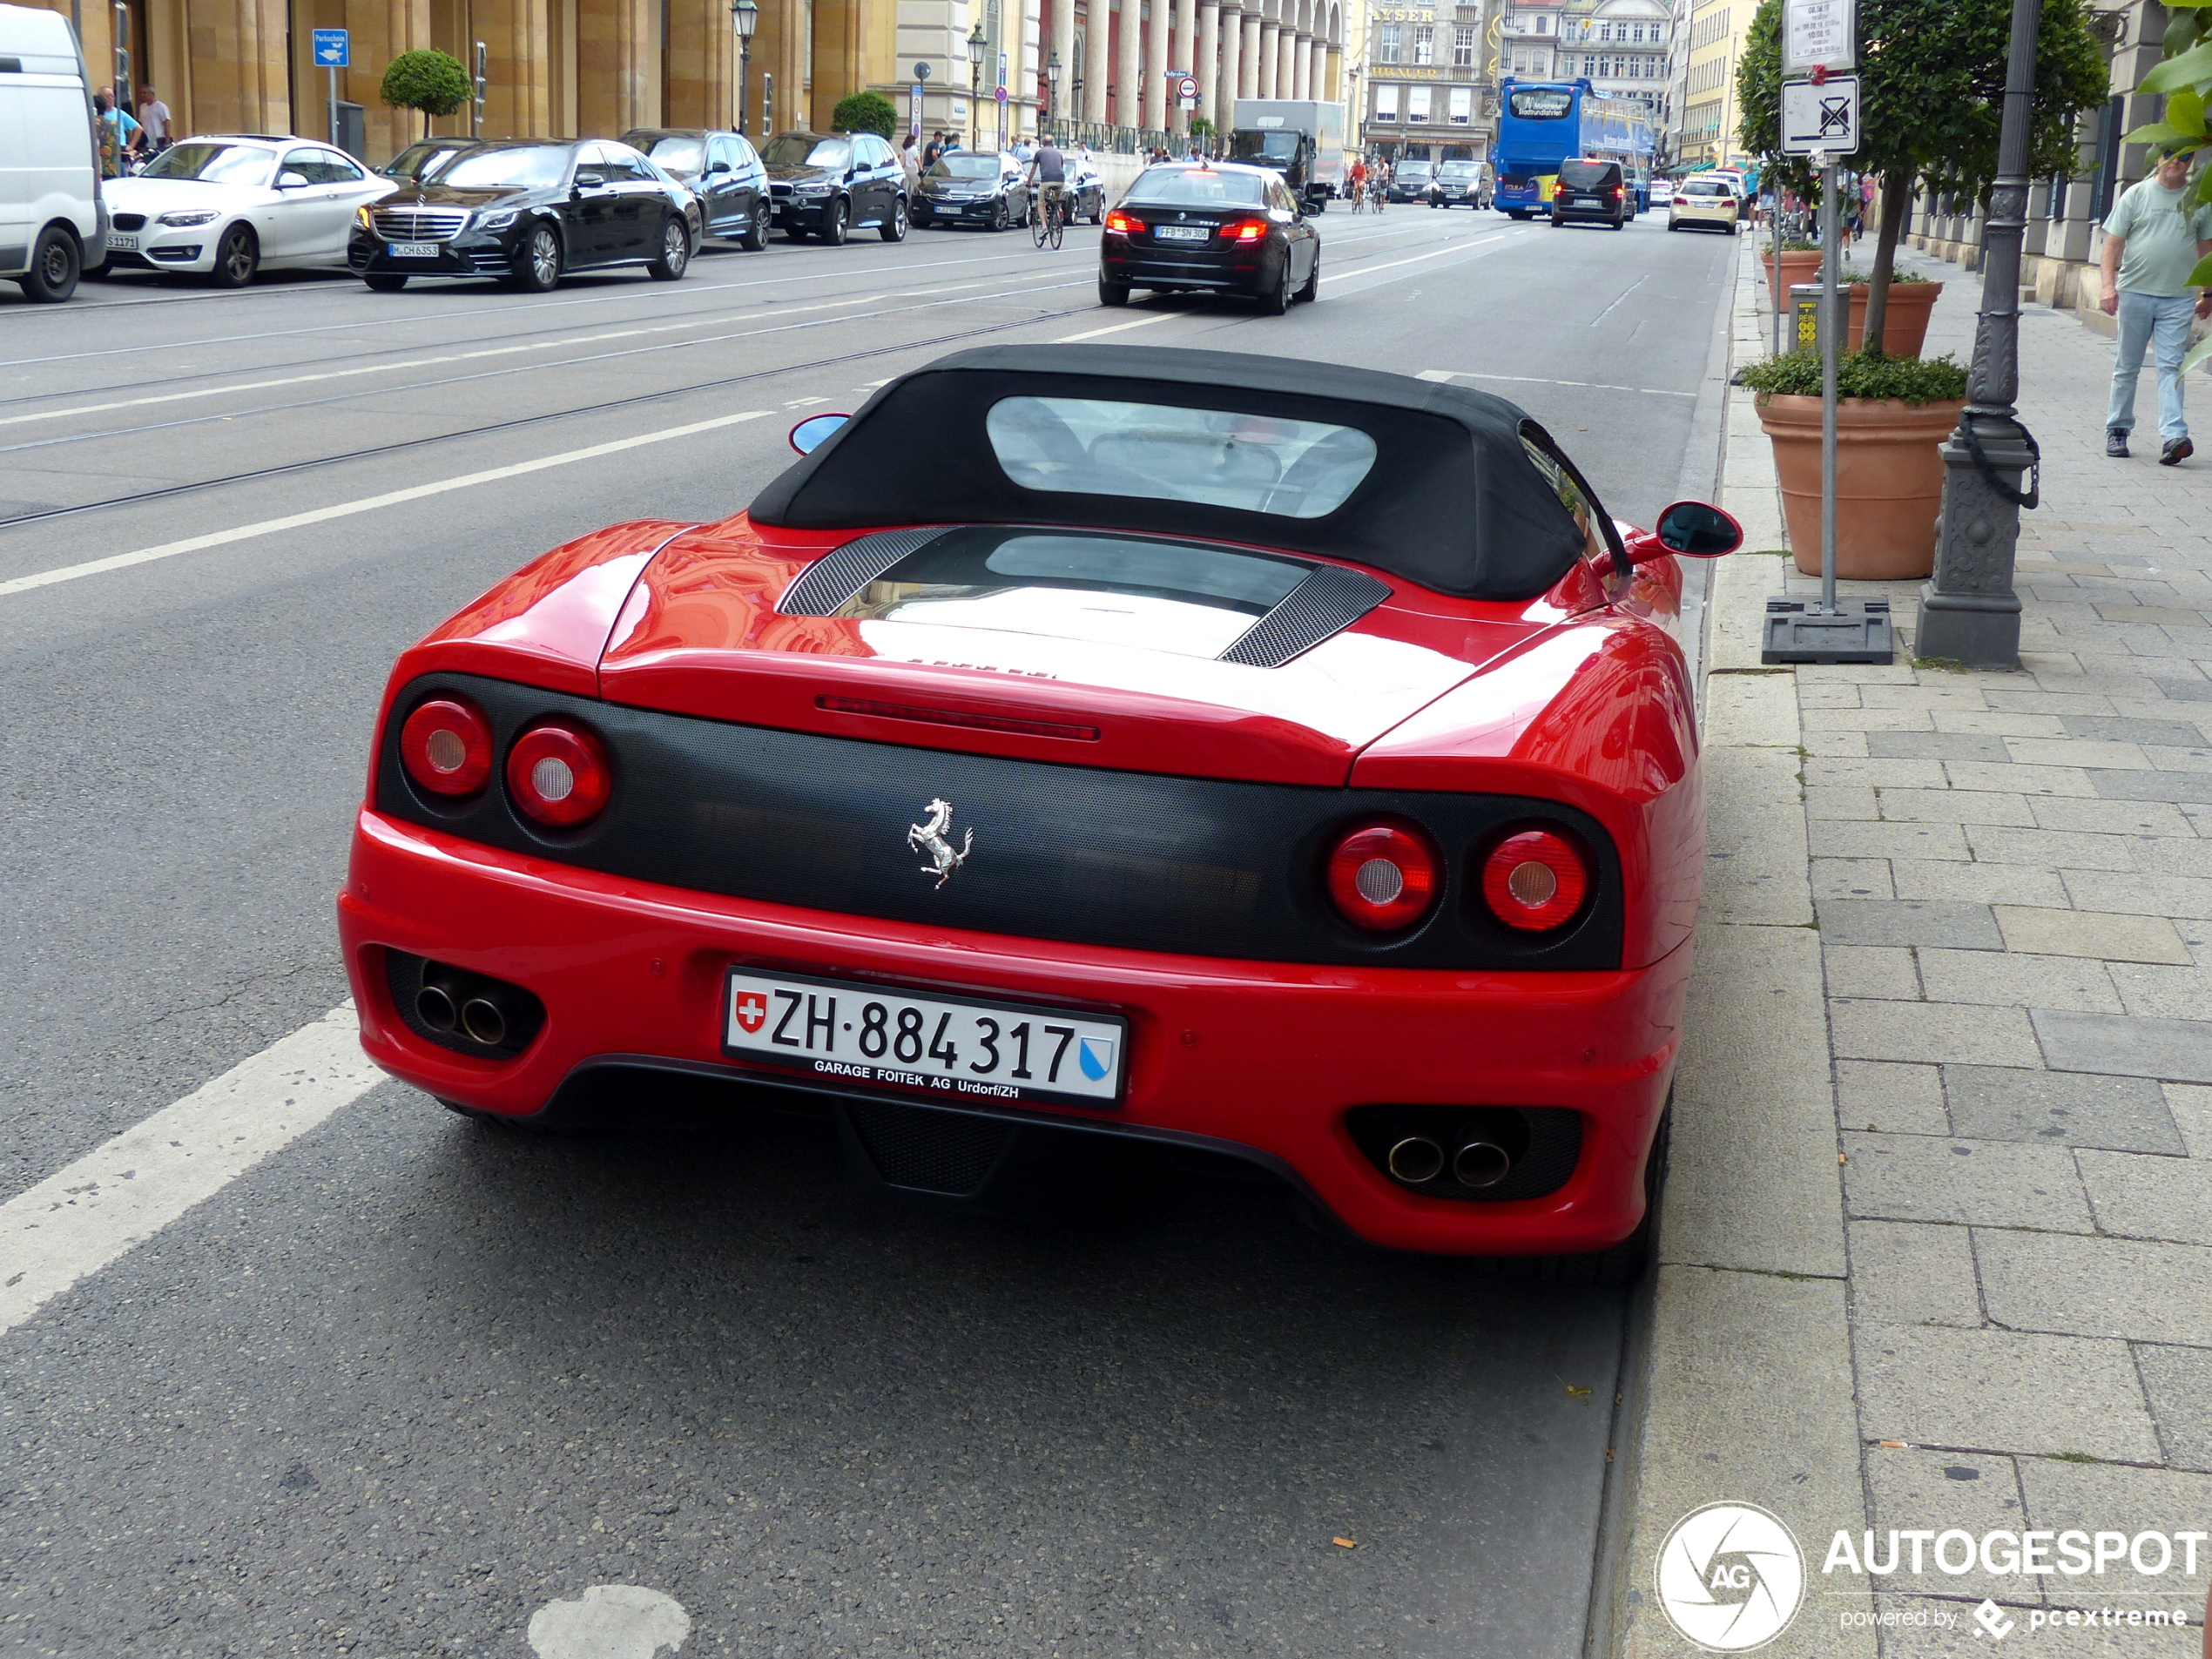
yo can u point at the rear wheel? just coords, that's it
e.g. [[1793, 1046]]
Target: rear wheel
[[1312, 291], [238, 256], [384, 282], [675, 252], [893, 229], [1278, 301], [1112, 294], [55, 266]]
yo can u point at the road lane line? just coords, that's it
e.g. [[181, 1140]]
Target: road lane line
[[116, 1197], [1537, 379], [366, 504], [1115, 327]]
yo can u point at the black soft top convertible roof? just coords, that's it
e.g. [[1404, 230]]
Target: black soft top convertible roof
[[1454, 502]]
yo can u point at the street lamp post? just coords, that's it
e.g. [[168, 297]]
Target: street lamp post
[[1052, 84], [1969, 613], [744, 16], [977, 45]]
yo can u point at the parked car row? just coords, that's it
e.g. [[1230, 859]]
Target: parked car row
[[990, 191]]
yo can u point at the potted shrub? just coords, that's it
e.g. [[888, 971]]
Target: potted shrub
[[1800, 263], [1892, 415], [1904, 327]]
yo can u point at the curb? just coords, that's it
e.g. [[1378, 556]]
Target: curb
[[1736, 1380]]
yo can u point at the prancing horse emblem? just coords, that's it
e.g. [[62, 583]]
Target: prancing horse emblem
[[930, 837]]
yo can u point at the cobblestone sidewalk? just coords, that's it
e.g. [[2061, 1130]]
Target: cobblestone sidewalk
[[2012, 876]]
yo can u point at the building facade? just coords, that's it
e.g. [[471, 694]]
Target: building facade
[[1707, 135], [1621, 47], [1429, 89], [1530, 45]]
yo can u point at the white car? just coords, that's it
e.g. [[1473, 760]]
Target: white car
[[227, 206], [1663, 191]]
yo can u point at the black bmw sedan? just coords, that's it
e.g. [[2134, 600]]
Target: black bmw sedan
[[1210, 227], [528, 211], [827, 184], [974, 187], [721, 170]]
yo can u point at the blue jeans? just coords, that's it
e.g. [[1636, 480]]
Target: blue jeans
[[2145, 318]]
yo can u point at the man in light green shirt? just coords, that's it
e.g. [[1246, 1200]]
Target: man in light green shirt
[[2154, 237]]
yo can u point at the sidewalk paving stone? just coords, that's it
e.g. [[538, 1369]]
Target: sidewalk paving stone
[[1954, 1032], [2095, 1287], [2128, 937], [1917, 1490], [1996, 1390], [2172, 1050], [2000, 1183], [2178, 1383], [1868, 921], [2065, 1109], [2010, 978], [1904, 1272], [2135, 1196], [1891, 1098]]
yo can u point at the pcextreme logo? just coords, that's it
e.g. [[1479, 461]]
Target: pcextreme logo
[[1730, 1577]]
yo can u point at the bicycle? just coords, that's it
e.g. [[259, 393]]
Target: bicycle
[[1048, 225]]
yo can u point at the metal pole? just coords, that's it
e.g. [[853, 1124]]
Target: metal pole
[[334, 106], [1969, 613], [745, 77], [1830, 337]]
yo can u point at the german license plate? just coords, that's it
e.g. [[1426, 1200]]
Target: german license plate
[[122, 244], [946, 1047], [1182, 232], [413, 250]]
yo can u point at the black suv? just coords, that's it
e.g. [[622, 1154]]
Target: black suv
[[1590, 189], [526, 211], [1409, 179], [826, 184], [721, 170]]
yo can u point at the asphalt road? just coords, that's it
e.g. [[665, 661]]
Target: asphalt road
[[409, 1381]]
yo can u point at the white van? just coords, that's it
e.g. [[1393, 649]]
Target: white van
[[51, 224]]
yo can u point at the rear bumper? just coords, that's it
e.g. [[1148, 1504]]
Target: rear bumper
[[1148, 266], [1266, 1057]]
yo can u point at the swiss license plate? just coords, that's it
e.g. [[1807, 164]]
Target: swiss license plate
[[947, 1047], [122, 244], [413, 250], [1182, 232]]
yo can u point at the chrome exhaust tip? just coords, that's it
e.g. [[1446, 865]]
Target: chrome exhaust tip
[[1481, 1163], [434, 1007], [1416, 1159], [484, 1020]]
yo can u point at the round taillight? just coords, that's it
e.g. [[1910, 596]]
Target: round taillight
[[446, 746], [558, 775], [1383, 878], [1534, 880]]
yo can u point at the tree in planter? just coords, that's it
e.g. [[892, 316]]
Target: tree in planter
[[431, 81], [2185, 77], [1931, 88], [865, 112]]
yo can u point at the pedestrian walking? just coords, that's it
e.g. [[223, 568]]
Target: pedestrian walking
[[931, 151], [153, 117], [118, 135], [2154, 238]]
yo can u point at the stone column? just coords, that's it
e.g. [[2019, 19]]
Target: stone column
[[1207, 60], [702, 79], [1129, 63], [240, 82], [1154, 101], [614, 40], [1248, 58], [1064, 47], [1286, 63], [1185, 52], [1270, 59], [1302, 67], [1096, 38]]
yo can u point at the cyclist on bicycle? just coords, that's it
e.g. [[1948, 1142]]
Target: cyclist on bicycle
[[1048, 176]]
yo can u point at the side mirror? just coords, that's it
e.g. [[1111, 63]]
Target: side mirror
[[589, 180], [718, 167], [1699, 529], [291, 181], [814, 431]]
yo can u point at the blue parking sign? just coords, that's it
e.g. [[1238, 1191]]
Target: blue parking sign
[[332, 50]]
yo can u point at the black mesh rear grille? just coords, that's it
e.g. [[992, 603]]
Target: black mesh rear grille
[[1332, 599], [1141, 860], [929, 1151], [833, 579]]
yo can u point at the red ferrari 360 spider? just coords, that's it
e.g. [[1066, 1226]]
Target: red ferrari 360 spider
[[1274, 759]]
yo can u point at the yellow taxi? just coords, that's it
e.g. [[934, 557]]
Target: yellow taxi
[[1707, 203]]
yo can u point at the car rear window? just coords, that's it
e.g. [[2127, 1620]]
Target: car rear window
[[1706, 187], [1198, 187], [1180, 597], [1587, 175], [1256, 464]]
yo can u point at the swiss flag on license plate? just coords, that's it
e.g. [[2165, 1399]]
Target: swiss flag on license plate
[[752, 1011]]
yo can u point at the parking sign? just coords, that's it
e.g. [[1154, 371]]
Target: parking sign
[[333, 49]]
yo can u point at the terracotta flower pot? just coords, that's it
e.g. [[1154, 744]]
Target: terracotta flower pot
[[1905, 329], [1889, 482], [1796, 268]]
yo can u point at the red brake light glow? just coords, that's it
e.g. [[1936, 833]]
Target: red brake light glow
[[1534, 881], [1125, 224], [558, 776], [446, 746], [959, 717], [1244, 230], [1383, 878]]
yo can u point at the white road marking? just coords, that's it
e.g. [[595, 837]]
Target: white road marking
[[1116, 328], [366, 504], [1455, 247], [610, 1621], [79, 1219], [1537, 379]]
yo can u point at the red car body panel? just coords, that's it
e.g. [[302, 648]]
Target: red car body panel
[[1581, 696]]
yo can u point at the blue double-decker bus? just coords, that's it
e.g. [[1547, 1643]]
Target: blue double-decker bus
[[1540, 124]]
